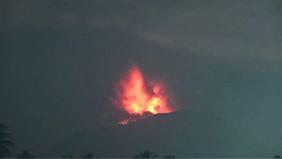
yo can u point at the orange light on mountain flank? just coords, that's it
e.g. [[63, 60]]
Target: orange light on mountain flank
[[137, 96]]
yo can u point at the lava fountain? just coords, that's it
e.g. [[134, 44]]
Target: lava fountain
[[139, 97]]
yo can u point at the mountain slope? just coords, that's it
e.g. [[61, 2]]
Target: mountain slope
[[181, 133]]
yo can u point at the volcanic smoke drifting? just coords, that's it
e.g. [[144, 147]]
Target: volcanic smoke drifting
[[140, 98]]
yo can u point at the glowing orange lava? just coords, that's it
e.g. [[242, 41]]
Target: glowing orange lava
[[137, 97]]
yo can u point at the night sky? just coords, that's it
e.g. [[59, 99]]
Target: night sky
[[221, 61]]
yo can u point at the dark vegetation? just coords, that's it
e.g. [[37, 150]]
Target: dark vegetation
[[6, 145], [25, 154]]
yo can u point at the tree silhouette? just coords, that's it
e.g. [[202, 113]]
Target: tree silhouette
[[276, 156], [169, 156], [67, 156], [145, 154], [25, 154], [88, 155], [5, 143]]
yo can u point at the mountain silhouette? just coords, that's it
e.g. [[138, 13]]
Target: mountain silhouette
[[184, 133]]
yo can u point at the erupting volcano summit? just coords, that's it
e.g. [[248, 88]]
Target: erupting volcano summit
[[137, 96]]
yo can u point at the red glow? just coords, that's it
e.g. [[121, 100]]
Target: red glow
[[137, 97]]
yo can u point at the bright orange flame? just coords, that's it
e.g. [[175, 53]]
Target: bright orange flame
[[136, 97]]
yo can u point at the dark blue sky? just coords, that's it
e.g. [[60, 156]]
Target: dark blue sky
[[59, 60]]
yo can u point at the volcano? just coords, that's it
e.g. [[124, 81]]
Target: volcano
[[140, 97], [190, 133]]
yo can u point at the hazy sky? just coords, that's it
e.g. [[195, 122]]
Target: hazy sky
[[60, 58]]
